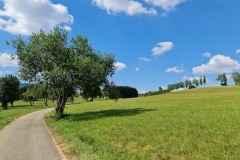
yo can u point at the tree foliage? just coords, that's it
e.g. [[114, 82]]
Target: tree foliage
[[223, 79], [153, 93], [113, 93], [204, 80], [9, 90], [236, 78], [123, 92], [201, 81], [176, 86], [30, 95], [188, 83], [195, 82], [63, 65]]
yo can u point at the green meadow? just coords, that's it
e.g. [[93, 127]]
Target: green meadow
[[20, 108], [193, 124]]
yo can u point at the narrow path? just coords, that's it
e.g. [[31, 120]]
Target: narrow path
[[28, 139]]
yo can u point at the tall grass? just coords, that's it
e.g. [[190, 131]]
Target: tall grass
[[194, 124]]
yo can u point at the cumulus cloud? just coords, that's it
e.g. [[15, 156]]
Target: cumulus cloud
[[161, 48], [67, 28], [217, 64], [130, 7], [175, 70], [34, 15], [166, 5], [7, 61], [119, 66], [137, 69], [133, 7], [144, 59], [206, 54], [238, 51]]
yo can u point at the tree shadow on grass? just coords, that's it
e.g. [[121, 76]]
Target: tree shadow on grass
[[86, 116]]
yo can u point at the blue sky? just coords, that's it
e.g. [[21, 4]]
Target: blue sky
[[155, 42]]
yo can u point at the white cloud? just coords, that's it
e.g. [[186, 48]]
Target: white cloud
[[189, 78], [175, 69], [67, 28], [28, 16], [166, 5], [7, 61], [161, 48], [119, 66], [217, 64], [137, 69], [145, 59], [238, 51], [130, 7], [1, 73], [206, 54]]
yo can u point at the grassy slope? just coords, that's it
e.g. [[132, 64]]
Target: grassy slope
[[20, 109], [194, 124]]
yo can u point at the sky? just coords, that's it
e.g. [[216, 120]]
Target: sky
[[155, 42]]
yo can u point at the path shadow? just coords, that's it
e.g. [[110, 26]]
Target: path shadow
[[86, 116]]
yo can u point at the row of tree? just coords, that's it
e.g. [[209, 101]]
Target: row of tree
[[195, 82], [153, 93], [10, 92], [223, 78]]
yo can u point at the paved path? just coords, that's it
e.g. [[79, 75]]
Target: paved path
[[28, 139]]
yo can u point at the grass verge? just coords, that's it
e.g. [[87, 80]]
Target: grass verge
[[195, 124], [20, 108]]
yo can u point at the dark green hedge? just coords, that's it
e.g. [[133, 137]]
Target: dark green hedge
[[127, 92]]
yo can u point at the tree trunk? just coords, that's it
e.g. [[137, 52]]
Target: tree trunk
[[45, 101], [4, 105], [61, 101], [11, 104]]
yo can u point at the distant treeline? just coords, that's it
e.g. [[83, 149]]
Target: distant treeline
[[175, 86], [152, 93]]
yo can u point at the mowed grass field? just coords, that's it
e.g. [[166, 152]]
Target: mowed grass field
[[194, 124], [20, 108]]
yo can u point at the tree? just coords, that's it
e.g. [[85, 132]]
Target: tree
[[113, 92], [204, 80], [195, 82], [66, 66], [236, 78], [223, 79], [160, 89], [188, 83], [201, 81], [9, 90], [43, 93], [30, 94]]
